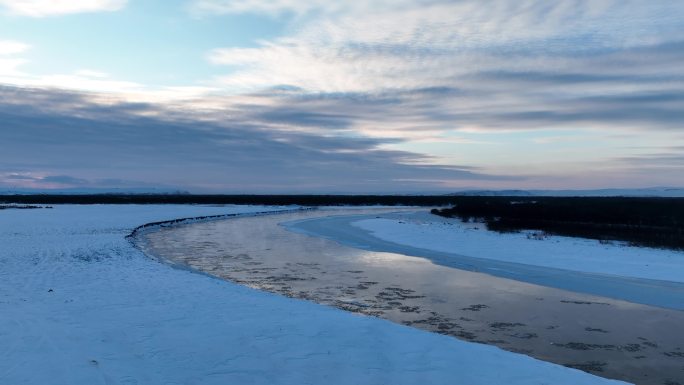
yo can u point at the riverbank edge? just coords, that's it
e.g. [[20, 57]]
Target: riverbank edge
[[664, 294]]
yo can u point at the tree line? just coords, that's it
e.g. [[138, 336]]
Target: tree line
[[653, 222]]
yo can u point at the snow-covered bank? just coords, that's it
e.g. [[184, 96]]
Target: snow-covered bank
[[405, 240], [79, 305], [431, 232]]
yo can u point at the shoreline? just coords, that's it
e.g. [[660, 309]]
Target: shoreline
[[665, 294], [151, 226]]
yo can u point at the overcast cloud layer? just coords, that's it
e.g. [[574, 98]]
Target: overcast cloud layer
[[359, 96]]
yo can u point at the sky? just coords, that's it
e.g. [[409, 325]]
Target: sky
[[384, 96]]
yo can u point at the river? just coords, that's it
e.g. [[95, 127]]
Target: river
[[608, 337]]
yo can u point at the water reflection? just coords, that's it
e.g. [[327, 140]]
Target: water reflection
[[611, 338]]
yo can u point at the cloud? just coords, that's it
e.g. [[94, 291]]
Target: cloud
[[272, 8], [11, 47], [97, 82], [84, 79], [668, 157], [21, 177], [9, 63], [71, 140], [10, 67], [40, 182], [87, 73], [427, 72], [44, 8], [297, 7], [356, 93], [63, 180], [441, 66]]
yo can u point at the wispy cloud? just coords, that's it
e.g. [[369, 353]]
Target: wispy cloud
[[99, 83], [298, 7], [44, 8], [470, 65]]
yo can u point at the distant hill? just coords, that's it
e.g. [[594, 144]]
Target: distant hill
[[95, 191], [494, 193]]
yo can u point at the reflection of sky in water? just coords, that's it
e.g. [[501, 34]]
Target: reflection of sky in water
[[381, 259], [516, 316]]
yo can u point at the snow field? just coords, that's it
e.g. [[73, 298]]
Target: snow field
[[431, 232]]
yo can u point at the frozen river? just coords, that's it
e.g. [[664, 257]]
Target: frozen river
[[608, 337]]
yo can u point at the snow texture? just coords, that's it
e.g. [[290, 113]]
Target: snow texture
[[80, 305], [431, 232]]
